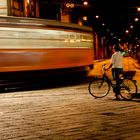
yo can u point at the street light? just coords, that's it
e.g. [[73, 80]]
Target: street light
[[103, 24], [127, 31], [131, 27], [85, 3], [136, 19], [97, 16], [138, 9]]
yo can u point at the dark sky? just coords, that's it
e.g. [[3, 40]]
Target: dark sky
[[117, 13]]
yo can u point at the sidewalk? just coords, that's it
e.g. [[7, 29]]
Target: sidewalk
[[136, 64]]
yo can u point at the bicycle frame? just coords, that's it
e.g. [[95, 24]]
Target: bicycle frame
[[105, 77]]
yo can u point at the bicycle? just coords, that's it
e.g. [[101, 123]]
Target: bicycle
[[100, 87]]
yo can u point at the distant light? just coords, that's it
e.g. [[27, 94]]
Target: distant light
[[131, 26], [28, 1], [72, 5], [80, 23], [69, 5], [138, 9], [103, 24], [85, 3], [136, 19], [127, 31], [84, 18], [123, 53], [97, 16]]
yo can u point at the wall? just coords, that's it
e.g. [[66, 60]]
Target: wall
[[3, 7]]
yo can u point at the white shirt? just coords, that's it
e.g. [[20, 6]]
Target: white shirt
[[116, 60]]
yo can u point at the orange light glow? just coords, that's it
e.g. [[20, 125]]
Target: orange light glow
[[85, 18]]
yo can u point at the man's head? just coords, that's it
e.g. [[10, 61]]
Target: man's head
[[116, 47]]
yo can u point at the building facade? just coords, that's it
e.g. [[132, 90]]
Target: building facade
[[31, 8]]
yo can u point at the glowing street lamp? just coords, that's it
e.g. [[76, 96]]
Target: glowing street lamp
[[136, 19], [138, 9], [127, 31], [96, 16], [103, 24], [85, 3], [131, 27]]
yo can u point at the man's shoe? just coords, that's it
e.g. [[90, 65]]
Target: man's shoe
[[117, 97]]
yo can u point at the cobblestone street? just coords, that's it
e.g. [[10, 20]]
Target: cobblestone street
[[67, 113]]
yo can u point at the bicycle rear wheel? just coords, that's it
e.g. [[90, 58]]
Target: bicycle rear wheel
[[128, 89], [99, 88]]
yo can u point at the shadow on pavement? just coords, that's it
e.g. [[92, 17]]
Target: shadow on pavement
[[38, 82], [42, 81]]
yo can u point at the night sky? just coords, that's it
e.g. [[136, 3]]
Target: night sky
[[117, 14]]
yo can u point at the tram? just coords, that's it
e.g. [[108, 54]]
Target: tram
[[30, 44]]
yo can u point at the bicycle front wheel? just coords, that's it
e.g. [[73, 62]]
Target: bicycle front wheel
[[128, 89], [99, 88]]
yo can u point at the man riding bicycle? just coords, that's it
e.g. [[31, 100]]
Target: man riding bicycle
[[117, 66]]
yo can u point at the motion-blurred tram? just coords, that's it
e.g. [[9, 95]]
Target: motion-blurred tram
[[28, 44]]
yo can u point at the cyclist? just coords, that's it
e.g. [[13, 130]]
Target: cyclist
[[117, 66]]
